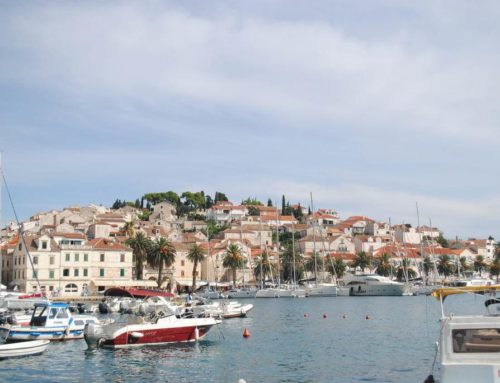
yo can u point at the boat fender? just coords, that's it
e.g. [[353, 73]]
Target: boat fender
[[196, 333], [66, 331], [136, 334], [430, 379]]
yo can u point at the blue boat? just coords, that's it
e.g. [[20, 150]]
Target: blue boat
[[51, 321]]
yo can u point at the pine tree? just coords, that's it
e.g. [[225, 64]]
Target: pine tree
[[283, 207], [269, 202]]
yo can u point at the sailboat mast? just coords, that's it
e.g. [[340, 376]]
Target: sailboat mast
[[421, 241], [314, 242], [244, 259], [293, 251], [278, 278], [261, 252]]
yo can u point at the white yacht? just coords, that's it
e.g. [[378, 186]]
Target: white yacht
[[322, 290], [243, 292], [469, 345], [373, 284]]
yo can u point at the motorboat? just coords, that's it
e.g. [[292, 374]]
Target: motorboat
[[12, 350], [243, 292], [50, 320], [209, 293], [469, 345], [322, 290], [235, 310], [154, 329], [373, 284]]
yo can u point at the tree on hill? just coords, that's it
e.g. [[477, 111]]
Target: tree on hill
[[442, 241], [269, 202], [196, 255], [251, 202], [479, 264], [233, 259], [220, 197], [162, 254]]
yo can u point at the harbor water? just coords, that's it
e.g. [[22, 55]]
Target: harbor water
[[343, 339]]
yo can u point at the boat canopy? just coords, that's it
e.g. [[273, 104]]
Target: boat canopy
[[136, 293], [443, 292]]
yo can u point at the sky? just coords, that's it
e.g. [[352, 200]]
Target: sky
[[371, 106]]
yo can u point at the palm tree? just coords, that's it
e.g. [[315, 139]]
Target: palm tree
[[233, 259], [428, 265], [264, 266], [140, 245], [363, 261], [287, 264], [129, 229], [196, 255], [337, 268], [479, 264], [162, 254], [405, 272], [384, 266], [495, 268], [311, 264], [444, 265], [464, 266]]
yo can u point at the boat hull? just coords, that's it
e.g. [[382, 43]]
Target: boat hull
[[23, 349], [27, 333], [378, 290]]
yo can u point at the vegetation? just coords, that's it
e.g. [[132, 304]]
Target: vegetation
[[196, 255], [337, 268], [265, 267], [129, 229], [162, 254], [363, 261], [479, 264], [428, 265], [251, 202], [287, 262], [313, 263], [140, 246], [405, 272], [444, 265], [233, 259], [442, 241], [495, 267], [384, 266]]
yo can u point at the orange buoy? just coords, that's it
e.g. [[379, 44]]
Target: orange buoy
[[324, 316], [246, 333]]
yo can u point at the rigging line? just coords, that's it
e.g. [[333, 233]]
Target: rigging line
[[21, 232]]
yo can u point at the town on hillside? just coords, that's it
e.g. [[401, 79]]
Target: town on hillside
[[173, 242]]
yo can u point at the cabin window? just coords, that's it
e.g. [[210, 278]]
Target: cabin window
[[70, 288], [62, 314], [483, 340], [52, 313]]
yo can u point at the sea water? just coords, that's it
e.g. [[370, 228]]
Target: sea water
[[343, 339]]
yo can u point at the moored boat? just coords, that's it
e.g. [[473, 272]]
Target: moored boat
[[152, 330], [13, 350], [52, 321], [375, 285]]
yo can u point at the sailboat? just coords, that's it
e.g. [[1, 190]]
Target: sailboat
[[319, 289], [245, 291]]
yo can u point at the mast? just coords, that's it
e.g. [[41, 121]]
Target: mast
[[244, 260], [261, 252], [421, 242], [278, 277], [314, 243]]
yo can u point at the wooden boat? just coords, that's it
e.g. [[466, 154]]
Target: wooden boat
[[33, 347]]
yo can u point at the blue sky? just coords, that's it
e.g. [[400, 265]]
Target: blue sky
[[370, 105]]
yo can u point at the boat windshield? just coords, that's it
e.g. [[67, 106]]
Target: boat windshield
[[484, 340]]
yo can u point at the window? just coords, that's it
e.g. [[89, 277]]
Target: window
[[67, 257], [34, 275], [52, 313], [76, 272], [101, 272], [65, 272], [51, 260], [35, 260], [102, 257], [182, 263], [20, 247], [77, 257], [122, 272], [182, 273], [85, 272], [122, 257], [51, 274], [69, 288], [44, 245], [476, 340], [85, 257]]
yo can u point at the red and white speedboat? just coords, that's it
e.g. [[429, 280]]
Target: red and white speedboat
[[140, 331]]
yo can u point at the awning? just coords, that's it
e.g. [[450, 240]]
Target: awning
[[189, 282], [445, 291], [124, 283]]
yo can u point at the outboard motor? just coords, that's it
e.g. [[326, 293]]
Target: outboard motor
[[81, 308], [104, 308]]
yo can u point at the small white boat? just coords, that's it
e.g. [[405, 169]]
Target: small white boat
[[33, 347], [244, 292], [235, 310]]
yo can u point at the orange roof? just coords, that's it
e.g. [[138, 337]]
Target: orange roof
[[69, 235], [106, 244]]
